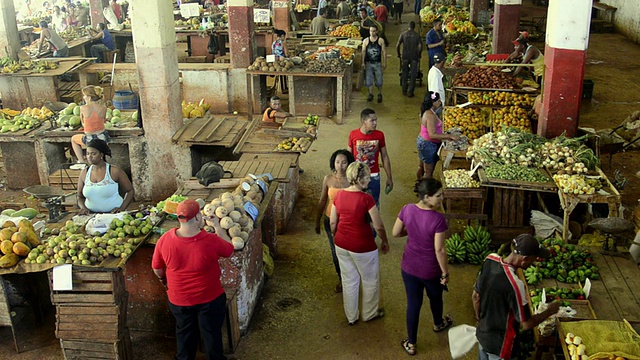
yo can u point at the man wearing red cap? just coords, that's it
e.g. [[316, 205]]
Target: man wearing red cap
[[186, 262], [500, 302]]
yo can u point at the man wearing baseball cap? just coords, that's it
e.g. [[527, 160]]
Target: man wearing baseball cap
[[186, 262], [500, 302]]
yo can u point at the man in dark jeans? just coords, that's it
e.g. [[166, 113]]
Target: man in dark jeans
[[410, 58], [186, 262]]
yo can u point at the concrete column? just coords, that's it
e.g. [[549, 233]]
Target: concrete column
[[475, 7], [565, 57], [154, 40], [506, 22], [241, 40], [281, 15], [95, 11], [9, 39]]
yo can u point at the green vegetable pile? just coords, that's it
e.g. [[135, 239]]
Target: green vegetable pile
[[174, 198], [567, 263], [515, 172], [555, 293]]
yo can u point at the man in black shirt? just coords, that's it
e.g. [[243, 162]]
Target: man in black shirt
[[410, 58], [499, 299]]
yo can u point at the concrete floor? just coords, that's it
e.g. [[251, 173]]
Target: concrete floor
[[315, 325]]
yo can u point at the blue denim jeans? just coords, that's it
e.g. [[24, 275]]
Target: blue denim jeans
[[374, 188]]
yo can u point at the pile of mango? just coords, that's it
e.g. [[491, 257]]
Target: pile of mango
[[469, 120], [16, 241], [347, 30], [192, 110], [512, 116], [501, 98]]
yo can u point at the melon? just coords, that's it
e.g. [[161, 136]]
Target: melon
[[74, 121], [115, 113], [115, 119], [76, 111]]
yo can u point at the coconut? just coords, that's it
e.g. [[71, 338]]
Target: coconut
[[209, 210], [216, 202], [226, 222], [244, 220], [221, 211], [235, 216], [238, 243], [235, 230], [226, 195], [244, 235], [228, 203]]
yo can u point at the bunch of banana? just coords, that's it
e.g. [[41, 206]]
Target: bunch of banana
[[48, 65], [478, 240], [532, 275], [456, 249], [11, 68], [27, 64], [4, 61]]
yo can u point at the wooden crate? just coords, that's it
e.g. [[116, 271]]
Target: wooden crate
[[91, 288], [91, 322], [509, 207], [81, 350]]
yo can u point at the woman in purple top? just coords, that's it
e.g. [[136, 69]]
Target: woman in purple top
[[424, 261]]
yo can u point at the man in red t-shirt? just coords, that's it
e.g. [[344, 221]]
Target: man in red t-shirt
[[186, 262], [366, 144], [381, 13]]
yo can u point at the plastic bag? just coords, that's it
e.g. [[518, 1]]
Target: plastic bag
[[462, 339], [546, 224], [100, 222]]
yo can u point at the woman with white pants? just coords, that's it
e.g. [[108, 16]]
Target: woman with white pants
[[352, 213]]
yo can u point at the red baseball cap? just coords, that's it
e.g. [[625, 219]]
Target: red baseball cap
[[187, 210]]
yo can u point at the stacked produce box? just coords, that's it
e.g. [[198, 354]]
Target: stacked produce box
[[91, 319]]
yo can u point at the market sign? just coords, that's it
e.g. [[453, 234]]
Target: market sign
[[262, 16]]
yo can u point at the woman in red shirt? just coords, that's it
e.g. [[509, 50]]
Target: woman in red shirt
[[352, 213]]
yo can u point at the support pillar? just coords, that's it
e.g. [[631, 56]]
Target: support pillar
[[475, 8], [241, 39], [506, 22], [154, 40], [282, 15], [565, 57], [9, 39], [95, 11]]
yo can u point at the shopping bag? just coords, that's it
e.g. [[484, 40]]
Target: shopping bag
[[462, 339]]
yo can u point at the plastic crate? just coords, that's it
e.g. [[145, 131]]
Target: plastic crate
[[587, 89]]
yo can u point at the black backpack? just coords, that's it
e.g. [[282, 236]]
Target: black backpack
[[211, 172]]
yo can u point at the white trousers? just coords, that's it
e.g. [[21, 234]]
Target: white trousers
[[354, 268]]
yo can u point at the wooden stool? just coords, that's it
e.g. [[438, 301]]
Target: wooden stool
[[107, 56]]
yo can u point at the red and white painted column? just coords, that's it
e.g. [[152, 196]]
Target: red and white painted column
[[506, 23], [565, 56], [241, 39]]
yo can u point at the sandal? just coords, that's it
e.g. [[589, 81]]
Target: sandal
[[446, 322], [378, 315], [338, 289], [408, 347]]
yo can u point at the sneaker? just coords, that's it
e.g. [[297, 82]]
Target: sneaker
[[370, 98], [379, 98], [78, 166]]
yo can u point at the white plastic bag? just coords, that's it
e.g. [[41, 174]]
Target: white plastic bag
[[462, 339], [100, 222]]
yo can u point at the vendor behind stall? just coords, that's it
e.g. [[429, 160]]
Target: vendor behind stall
[[274, 111], [58, 45], [92, 117], [319, 24], [530, 54], [100, 185], [106, 42]]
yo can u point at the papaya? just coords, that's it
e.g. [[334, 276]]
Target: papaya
[[6, 234], [8, 224], [6, 246], [9, 260], [8, 212], [19, 237], [29, 213], [21, 249], [24, 223], [31, 236]]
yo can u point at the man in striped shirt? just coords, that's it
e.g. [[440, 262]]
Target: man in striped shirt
[[500, 302]]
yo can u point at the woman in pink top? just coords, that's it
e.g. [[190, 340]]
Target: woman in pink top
[[430, 135], [92, 116], [331, 184]]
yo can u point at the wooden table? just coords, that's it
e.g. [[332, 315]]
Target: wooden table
[[219, 130], [309, 93]]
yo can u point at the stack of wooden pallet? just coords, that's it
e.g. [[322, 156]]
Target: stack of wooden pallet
[[91, 319]]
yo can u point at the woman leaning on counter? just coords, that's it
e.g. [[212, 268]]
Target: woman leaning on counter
[[100, 184]]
